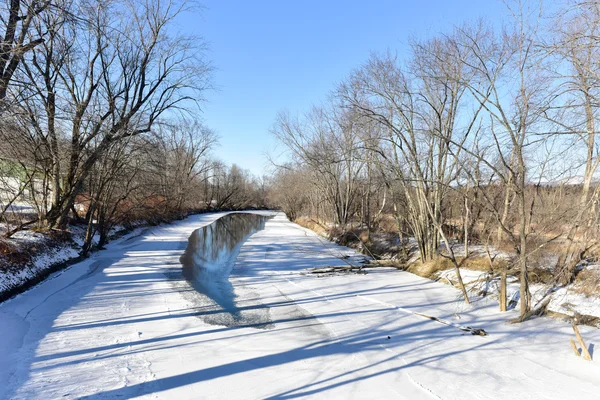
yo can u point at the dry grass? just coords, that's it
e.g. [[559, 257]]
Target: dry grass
[[483, 264], [15, 253], [430, 269], [539, 275], [313, 225], [588, 320], [387, 223], [505, 246], [380, 246], [11, 255], [398, 264], [6, 247], [587, 282]]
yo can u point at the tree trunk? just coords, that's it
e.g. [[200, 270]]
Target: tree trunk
[[502, 293]]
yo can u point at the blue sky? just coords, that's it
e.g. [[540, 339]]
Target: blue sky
[[273, 55]]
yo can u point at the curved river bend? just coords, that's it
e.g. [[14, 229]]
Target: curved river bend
[[207, 264]]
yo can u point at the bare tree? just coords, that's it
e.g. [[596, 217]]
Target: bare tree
[[182, 158], [575, 48], [18, 20], [418, 107], [328, 141], [121, 70], [291, 187], [514, 112]]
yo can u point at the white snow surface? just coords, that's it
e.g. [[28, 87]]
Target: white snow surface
[[51, 255], [44, 260], [115, 326]]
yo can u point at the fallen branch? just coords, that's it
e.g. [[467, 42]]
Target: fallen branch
[[331, 269], [325, 270], [472, 331]]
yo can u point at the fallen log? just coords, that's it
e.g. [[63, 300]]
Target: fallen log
[[324, 270], [472, 331]]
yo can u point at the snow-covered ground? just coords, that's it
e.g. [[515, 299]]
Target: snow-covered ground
[[115, 326], [565, 301], [47, 254], [13, 277]]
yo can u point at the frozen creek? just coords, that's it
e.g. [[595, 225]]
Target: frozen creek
[[131, 322], [207, 263]]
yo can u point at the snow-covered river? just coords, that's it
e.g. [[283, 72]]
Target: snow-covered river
[[132, 322]]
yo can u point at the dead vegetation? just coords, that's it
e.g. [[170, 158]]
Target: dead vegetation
[[384, 246], [16, 254], [313, 224], [587, 282]]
